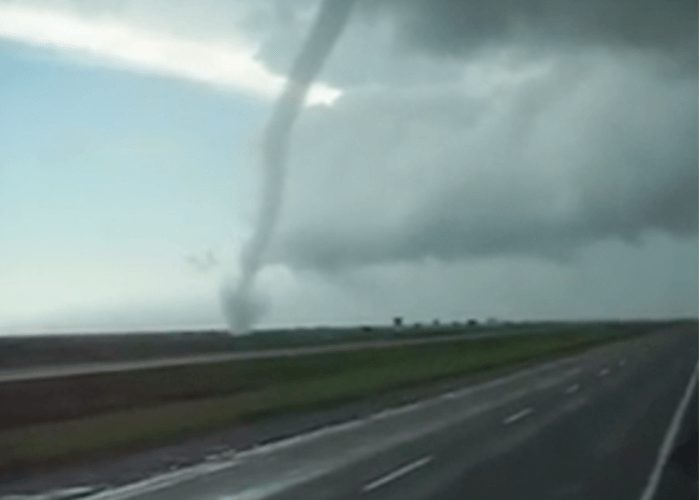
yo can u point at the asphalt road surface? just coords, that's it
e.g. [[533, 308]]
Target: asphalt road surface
[[94, 368], [600, 425]]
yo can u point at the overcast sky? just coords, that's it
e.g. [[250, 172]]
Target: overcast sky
[[455, 159]]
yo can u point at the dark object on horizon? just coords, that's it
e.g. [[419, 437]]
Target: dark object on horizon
[[472, 322], [436, 322], [398, 322]]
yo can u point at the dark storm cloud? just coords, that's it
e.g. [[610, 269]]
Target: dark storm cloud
[[459, 27], [592, 150], [483, 128]]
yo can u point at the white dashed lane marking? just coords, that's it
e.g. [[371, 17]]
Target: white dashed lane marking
[[572, 389], [394, 475], [517, 416]]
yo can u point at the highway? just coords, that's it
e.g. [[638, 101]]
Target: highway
[[597, 425], [95, 368]]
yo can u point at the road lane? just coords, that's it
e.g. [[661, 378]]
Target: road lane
[[599, 443], [469, 447]]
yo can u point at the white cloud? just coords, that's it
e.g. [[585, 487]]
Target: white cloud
[[227, 65]]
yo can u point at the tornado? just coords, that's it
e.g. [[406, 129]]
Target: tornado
[[242, 307]]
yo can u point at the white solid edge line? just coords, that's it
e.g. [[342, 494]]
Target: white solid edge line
[[669, 438], [517, 416], [394, 475], [160, 481]]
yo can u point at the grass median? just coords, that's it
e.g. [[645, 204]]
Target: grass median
[[118, 412]]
